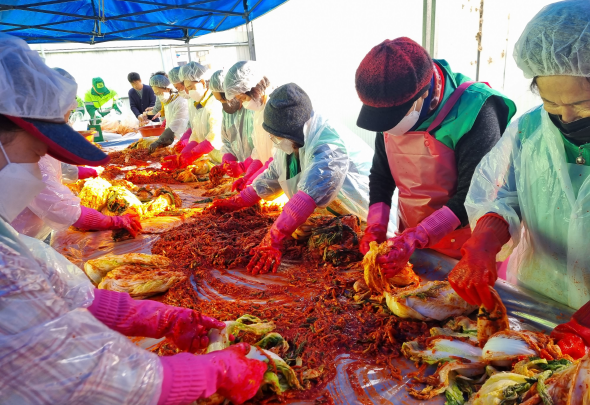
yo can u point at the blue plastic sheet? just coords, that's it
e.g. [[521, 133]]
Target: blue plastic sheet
[[88, 21]]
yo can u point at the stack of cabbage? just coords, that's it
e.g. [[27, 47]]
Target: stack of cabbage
[[114, 200], [271, 348], [138, 274]]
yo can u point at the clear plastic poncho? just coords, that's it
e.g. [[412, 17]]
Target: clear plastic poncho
[[53, 350], [555, 41], [526, 179], [176, 115], [335, 167], [206, 125], [264, 148], [55, 208], [69, 173], [236, 133]]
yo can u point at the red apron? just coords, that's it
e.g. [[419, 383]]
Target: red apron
[[425, 172]]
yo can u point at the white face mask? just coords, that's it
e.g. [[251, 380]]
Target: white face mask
[[184, 95], [20, 184], [198, 93], [286, 146], [407, 122], [164, 96], [253, 105]]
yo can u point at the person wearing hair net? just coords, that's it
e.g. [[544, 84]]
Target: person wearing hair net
[[236, 131], [246, 83], [63, 341], [174, 111], [178, 83], [433, 127], [317, 165], [529, 196], [98, 97], [205, 138]]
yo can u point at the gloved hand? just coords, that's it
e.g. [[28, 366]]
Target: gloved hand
[[236, 169], [183, 141], [477, 268], [258, 172], [185, 327], [228, 372], [165, 139], [170, 163], [92, 220], [86, 172], [252, 170], [578, 327], [228, 157], [431, 230], [246, 198], [376, 231], [267, 256], [186, 158]]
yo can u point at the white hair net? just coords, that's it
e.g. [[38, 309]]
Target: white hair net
[[241, 77], [556, 41], [174, 75], [65, 74], [159, 81], [216, 83], [194, 72], [29, 88]]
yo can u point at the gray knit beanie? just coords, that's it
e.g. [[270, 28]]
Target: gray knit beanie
[[286, 112]]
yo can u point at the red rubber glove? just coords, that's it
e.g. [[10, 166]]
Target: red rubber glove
[[571, 344], [228, 157], [246, 198], [243, 182], [183, 141], [376, 231], [228, 372], [477, 268], [185, 327], [170, 163], [267, 256], [86, 172], [92, 220], [186, 158], [429, 232], [579, 326]]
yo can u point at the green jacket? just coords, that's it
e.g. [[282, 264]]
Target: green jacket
[[97, 102], [464, 113]]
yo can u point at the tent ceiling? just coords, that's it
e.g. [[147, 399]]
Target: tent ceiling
[[95, 21]]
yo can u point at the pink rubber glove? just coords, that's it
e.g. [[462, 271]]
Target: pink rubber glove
[[376, 231], [235, 169], [185, 327], [183, 141], [431, 230], [228, 372], [228, 157], [186, 158], [86, 172], [246, 198], [92, 220], [267, 256], [244, 181], [259, 172], [189, 146]]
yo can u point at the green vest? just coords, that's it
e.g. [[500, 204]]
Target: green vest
[[462, 116], [100, 100]]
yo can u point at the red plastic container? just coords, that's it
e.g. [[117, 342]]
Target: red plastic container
[[151, 130]]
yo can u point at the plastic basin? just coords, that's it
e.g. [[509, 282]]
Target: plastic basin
[[151, 131], [89, 135]]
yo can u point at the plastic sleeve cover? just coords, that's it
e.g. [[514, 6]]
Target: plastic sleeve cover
[[267, 184], [214, 122], [56, 205], [177, 116], [494, 187], [54, 351], [69, 173]]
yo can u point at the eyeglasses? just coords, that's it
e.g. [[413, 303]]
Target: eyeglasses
[[274, 139]]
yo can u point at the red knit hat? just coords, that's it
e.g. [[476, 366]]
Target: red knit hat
[[392, 76]]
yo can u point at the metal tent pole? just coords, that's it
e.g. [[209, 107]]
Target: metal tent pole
[[428, 26], [161, 54], [478, 38], [250, 32]]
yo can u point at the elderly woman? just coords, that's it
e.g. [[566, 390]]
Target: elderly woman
[[62, 340], [246, 83], [236, 130], [174, 111], [317, 165], [530, 194]]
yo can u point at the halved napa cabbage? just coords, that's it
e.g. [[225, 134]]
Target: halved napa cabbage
[[97, 269], [140, 281], [441, 350]]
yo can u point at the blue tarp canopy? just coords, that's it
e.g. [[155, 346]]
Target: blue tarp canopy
[[94, 21]]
